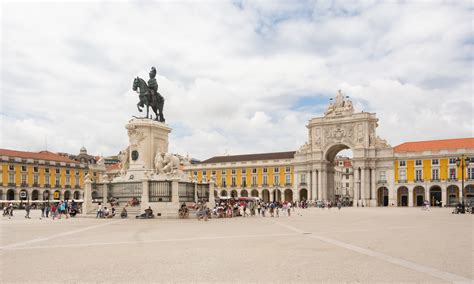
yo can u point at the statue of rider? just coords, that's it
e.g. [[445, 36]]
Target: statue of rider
[[152, 84]]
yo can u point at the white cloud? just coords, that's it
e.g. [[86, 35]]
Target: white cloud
[[233, 74]]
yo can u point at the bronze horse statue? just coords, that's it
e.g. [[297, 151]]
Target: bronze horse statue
[[149, 98]]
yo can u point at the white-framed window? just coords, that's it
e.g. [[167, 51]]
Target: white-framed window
[[11, 167], [223, 172], [35, 169], [204, 173], [23, 178], [418, 174], [204, 179], [69, 172], [58, 180], [402, 174], [402, 163], [195, 173], [213, 173], [287, 179], [254, 180], [276, 180], [46, 170], [68, 180], [470, 173], [223, 183], [434, 162], [244, 181], [303, 178], [58, 171], [382, 176], [11, 178], [47, 179], [23, 168], [35, 179], [452, 173], [254, 170], [435, 174], [233, 171], [265, 180], [233, 180], [244, 171], [276, 170], [265, 170], [418, 163], [288, 169], [452, 161]]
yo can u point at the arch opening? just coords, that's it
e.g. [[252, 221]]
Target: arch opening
[[340, 174]]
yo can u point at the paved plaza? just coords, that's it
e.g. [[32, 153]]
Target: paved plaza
[[313, 245]]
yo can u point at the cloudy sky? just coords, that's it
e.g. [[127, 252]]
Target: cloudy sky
[[238, 76]]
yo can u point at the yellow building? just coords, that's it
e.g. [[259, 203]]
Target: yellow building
[[40, 176], [434, 171], [267, 175]]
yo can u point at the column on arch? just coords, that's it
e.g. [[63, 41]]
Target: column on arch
[[363, 185], [373, 201], [355, 187], [314, 183], [320, 189]]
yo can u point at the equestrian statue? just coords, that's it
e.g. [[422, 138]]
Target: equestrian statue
[[149, 96]]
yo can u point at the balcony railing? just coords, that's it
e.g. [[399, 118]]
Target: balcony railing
[[68, 186], [402, 181], [11, 184], [47, 185], [265, 184], [24, 184], [302, 183], [452, 179], [36, 185], [435, 180], [77, 186], [382, 181], [418, 180], [288, 184]]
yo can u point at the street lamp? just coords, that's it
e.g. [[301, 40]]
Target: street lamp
[[464, 163]]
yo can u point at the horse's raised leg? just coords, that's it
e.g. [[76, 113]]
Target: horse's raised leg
[[138, 107]]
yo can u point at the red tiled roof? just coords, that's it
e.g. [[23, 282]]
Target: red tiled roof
[[250, 157], [435, 145], [113, 167], [42, 155]]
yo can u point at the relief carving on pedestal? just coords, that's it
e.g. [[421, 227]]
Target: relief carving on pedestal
[[136, 136]]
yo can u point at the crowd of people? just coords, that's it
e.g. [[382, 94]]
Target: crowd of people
[[54, 209]]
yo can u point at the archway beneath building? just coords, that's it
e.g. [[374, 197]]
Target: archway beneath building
[[402, 196], [24, 194], [266, 195], [418, 196], [303, 194], [46, 195], [469, 194], [435, 195], [10, 194], [452, 195], [67, 195], [244, 193], [77, 195], [223, 192], [382, 196], [288, 195], [254, 193], [339, 171], [35, 195], [276, 195], [94, 195], [234, 193]]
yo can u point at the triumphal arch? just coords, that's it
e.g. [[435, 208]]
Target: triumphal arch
[[342, 128]]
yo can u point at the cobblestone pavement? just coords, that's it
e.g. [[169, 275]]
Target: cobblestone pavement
[[313, 245]]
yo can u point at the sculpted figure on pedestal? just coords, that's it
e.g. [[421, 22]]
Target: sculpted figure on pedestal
[[149, 95], [159, 162], [342, 105], [124, 160]]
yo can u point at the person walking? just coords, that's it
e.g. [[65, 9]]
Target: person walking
[[47, 208], [99, 211], [27, 209], [54, 208]]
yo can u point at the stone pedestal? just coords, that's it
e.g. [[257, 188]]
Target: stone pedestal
[[87, 199], [146, 138]]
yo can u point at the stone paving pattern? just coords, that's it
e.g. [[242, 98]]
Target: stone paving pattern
[[314, 245]]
